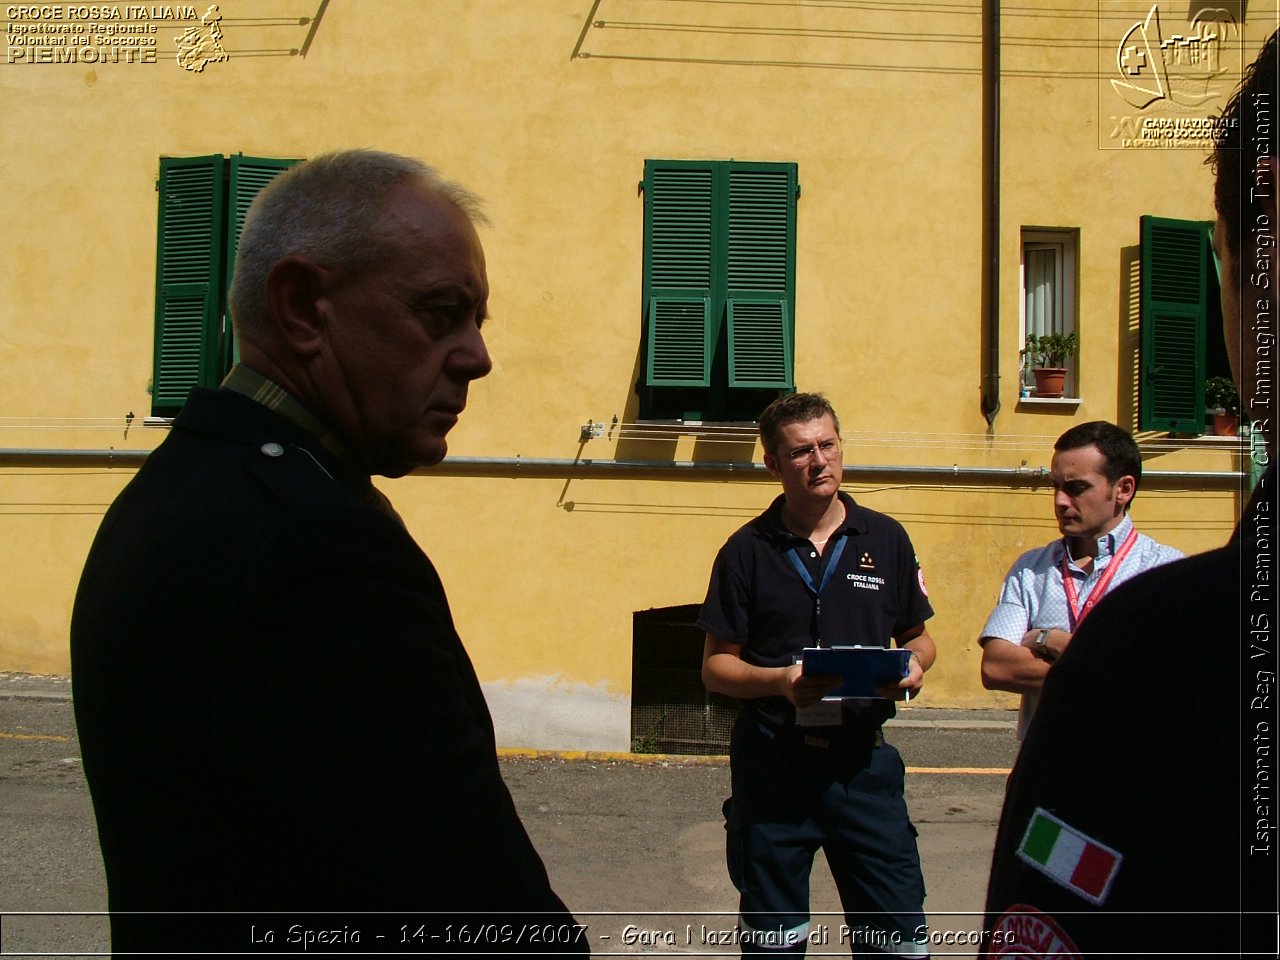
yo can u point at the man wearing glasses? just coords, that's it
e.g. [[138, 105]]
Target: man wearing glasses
[[816, 569]]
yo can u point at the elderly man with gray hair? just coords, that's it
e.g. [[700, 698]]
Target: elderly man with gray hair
[[275, 710]]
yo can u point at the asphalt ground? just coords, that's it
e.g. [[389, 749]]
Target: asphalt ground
[[634, 844]]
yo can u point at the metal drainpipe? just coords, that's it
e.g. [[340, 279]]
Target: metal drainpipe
[[991, 210], [560, 467]]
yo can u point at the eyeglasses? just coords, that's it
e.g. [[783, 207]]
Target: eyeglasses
[[828, 450]]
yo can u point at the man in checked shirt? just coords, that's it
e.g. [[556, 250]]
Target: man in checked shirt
[[1096, 470]]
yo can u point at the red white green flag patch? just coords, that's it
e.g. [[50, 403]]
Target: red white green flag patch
[[1068, 857]]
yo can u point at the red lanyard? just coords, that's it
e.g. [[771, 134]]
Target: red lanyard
[[1077, 611]]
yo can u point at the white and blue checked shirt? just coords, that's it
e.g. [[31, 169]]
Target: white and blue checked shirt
[[1034, 597]]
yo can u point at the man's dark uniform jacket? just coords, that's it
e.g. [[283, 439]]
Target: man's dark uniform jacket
[[274, 708], [1144, 747]]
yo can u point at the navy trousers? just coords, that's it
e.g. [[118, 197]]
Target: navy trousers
[[845, 795]]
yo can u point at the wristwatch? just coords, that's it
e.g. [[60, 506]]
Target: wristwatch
[[1040, 647]]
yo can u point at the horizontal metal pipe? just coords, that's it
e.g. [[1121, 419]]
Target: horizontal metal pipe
[[514, 466], [30, 457], [553, 467]]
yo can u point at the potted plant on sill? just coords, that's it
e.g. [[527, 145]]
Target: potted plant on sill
[[1221, 400], [1048, 355]]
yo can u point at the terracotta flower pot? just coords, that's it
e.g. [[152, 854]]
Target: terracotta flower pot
[[1050, 381], [1226, 424]]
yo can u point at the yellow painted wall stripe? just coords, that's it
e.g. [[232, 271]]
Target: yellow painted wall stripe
[[680, 759], [605, 756]]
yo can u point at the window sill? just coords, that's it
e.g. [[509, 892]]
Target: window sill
[[1059, 402], [1202, 440]]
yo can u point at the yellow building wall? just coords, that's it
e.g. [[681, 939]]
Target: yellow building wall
[[548, 109]]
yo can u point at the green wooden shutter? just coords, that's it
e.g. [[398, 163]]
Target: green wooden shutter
[[679, 331], [248, 176], [189, 278], [1174, 312], [759, 272], [678, 274], [759, 344]]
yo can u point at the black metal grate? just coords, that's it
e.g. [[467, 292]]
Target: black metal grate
[[671, 711]]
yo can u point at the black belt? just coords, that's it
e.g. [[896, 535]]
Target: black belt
[[824, 738], [870, 738]]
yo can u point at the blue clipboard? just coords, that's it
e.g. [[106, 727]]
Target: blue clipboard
[[863, 668]]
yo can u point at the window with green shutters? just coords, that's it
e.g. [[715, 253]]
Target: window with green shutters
[[1179, 293], [718, 288], [202, 205]]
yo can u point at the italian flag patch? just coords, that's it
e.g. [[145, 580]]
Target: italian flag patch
[[1068, 857]]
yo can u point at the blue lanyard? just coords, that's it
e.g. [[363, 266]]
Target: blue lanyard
[[794, 556]]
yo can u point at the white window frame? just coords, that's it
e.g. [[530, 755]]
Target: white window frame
[[1060, 315]]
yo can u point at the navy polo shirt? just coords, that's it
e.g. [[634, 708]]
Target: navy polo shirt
[[757, 598]]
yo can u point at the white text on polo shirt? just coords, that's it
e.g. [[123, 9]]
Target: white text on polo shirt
[[863, 582]]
